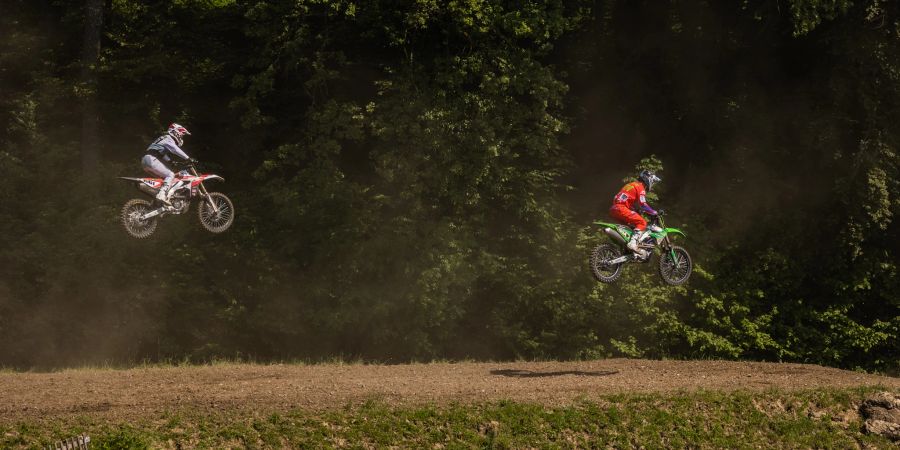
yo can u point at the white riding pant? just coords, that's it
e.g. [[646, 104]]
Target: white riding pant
[[154, 166]]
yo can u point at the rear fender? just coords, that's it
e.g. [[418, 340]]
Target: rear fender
[[149, 186], [605, 224], [152, 182]]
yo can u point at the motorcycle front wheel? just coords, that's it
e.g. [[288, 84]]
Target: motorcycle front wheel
[[675, 265], [131, 218], [599, 262], [218, 219]]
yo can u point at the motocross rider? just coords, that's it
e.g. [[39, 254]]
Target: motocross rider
[[623, 209], [160, 153]]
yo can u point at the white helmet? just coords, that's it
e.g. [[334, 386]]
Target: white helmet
[[648, 178], [178, 132]]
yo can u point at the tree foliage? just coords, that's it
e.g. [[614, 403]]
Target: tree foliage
[[414, 179]]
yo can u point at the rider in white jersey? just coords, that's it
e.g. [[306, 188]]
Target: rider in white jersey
[[160, 153]]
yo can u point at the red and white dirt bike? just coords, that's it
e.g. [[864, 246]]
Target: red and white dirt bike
[[140, 216]]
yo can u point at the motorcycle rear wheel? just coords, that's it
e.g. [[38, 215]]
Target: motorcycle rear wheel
[[216, 221], [131, 213], [601, 270], [675, 272]]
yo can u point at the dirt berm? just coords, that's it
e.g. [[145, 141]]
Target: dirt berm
[[146, 392]]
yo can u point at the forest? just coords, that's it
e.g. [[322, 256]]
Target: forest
[[417, 180]]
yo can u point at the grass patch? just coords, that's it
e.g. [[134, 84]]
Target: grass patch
[[824, 418]]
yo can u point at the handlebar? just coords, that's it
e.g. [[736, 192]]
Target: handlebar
[[187, 166], [657, 219]]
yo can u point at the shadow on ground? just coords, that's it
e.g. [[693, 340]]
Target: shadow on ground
[[516, 373]]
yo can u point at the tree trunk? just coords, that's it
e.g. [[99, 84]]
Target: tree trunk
[[90, 57]]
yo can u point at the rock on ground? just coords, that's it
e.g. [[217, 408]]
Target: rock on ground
[[882, 415]]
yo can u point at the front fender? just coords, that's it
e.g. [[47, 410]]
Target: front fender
[[675, 231]]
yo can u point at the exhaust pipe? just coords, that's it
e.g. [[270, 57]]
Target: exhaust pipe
[[615, 235], [147, 189]]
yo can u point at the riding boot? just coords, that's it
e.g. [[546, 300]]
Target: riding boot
[[172, 189], [636, 239], [633, 242], [163, 195]]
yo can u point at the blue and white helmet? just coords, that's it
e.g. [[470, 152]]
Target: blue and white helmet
[[178, 132], [648, 178]]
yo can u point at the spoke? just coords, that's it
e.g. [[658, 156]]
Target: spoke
[[676, 266], [217, 213], [605, 258]]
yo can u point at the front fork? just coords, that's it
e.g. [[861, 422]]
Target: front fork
[[671, 250], [205, 193]]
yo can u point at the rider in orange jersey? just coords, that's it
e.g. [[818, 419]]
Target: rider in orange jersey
[[626, 202]]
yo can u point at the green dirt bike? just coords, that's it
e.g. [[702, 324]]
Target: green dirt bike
[[608, 259]]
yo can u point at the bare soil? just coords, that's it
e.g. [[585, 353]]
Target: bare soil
[[148, 392]]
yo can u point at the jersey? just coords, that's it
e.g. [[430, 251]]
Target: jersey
[[631, 195], [165, 146]]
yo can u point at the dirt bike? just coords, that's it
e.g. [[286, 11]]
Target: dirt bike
[[140, 216], [608, 259]]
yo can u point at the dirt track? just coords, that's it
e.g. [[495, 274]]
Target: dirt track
[[147, 392]]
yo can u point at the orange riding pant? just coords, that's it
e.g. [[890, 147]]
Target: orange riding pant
[[628, 217]]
